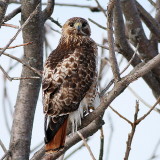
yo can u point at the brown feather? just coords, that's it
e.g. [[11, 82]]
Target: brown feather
[[58, 140]]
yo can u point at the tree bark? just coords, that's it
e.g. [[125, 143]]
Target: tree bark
[[125, 49], [28, 89]]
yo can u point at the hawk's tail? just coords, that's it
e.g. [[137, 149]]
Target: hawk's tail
[[55, 134]]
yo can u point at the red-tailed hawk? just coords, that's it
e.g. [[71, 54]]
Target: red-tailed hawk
[[69, 81]]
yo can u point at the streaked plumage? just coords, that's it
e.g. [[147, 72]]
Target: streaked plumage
[[70, 78]]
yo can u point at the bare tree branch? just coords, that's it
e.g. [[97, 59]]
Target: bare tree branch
[[12, 14], [154, 151], [3, 146], [137, 34], [75, 150], [15, 78], [24, 63], [3, 8], [29, 88], [18, 45], [112, 80], [142, 100], [149, 21], [101, 144], [131, 134], [5, 155], [107, 99], [15, 1], [130, 61], [20, 29], [10, 25], [121, 85], [112, 58], [99, 6], [145, 115], [56, 22], [152, 3], [4, 149], [145, 64], [47, 12], [5, 98], [126, 50], [110, 136], [134, 125], [120, 115], [92, 8], [70, 141], [87, 146], [100, 26]]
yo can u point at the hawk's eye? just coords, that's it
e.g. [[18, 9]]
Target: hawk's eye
[[84, 24], [71, 24]]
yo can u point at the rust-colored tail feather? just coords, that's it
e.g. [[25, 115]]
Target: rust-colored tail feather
[[56, 134]]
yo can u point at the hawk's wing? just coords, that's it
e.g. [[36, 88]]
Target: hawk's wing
[[66, 83]]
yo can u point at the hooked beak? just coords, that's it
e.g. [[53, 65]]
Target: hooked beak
[[78, 26]]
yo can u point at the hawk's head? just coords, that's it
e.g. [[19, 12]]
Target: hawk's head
[[76, 26]]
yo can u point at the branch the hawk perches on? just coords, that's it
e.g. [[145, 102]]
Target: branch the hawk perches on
[[69, 81]]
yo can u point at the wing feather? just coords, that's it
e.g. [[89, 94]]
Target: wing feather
[[66, 85]]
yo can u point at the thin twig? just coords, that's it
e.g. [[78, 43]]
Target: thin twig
[[55, 21], [105, 47], [106, 88], [87, 146], [134, 124], [24, 63], [101, 8], [20, 29], [155, 150], [97, 24], [130, 61], [131, 134], [55, 30], [75, 150], [6, 98], [4, 108], [3, 146], [12, 66], [112, 80], [5, 155], [25, 44], [145, 115], [4, 72], [101, 144], [120, 115], [110, 136], [142, 100], [92, 8], [16, 78], [10, 25], [152, 3], [4, 149]]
